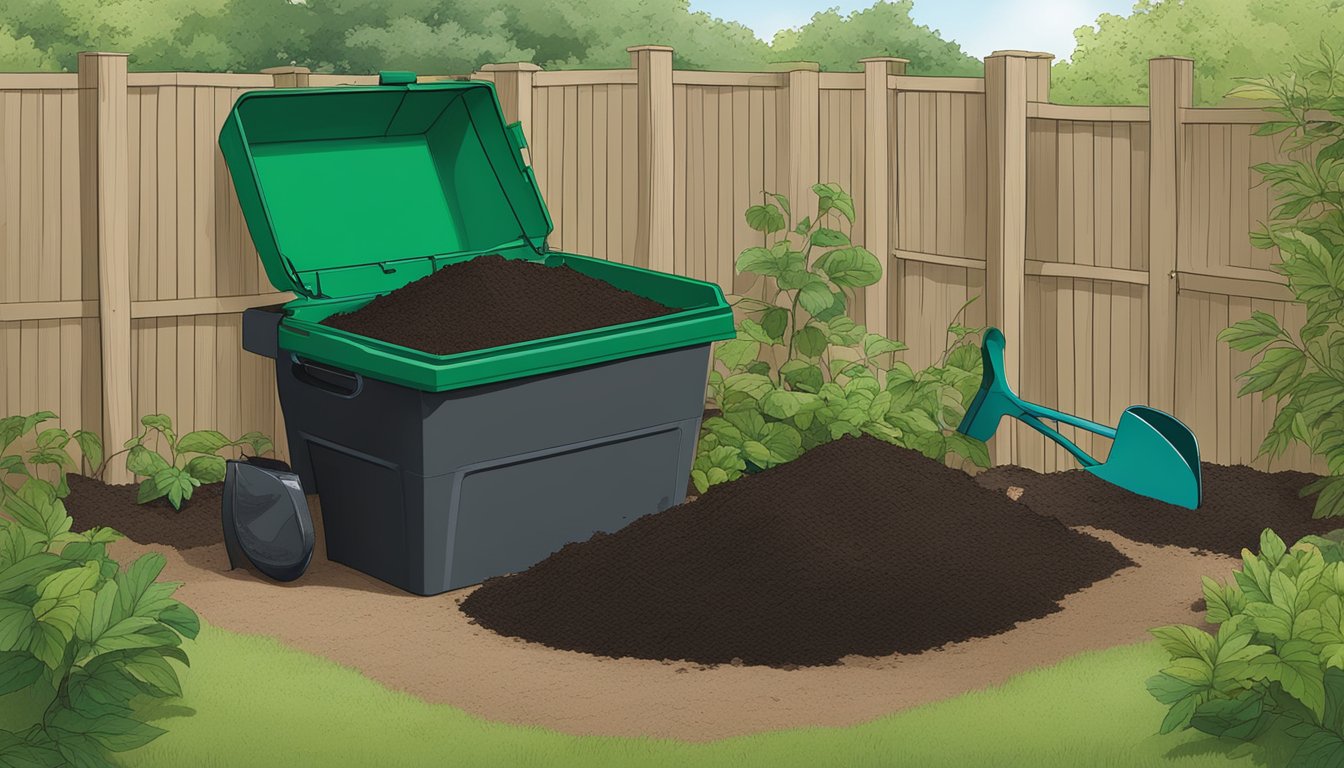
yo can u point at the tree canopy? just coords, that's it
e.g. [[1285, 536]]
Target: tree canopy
[[446, 36], [1227, 39]]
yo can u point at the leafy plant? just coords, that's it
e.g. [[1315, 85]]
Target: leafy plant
[[50, 448], [177, 476], [1277, 658], [801, 372], [85, 638], [1304, 371]]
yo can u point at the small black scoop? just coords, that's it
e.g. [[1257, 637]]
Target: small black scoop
[[266, 518]]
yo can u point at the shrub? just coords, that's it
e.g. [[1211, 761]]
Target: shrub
[[177, 475], [1277, 660], [50, 449], [83, 637], [802, 373], [1304, 371]]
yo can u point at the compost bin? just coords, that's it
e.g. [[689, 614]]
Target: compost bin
[[438, 471]]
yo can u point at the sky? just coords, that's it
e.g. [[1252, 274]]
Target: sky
[[980, 26]]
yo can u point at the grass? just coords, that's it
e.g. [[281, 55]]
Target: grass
[[251, 701]]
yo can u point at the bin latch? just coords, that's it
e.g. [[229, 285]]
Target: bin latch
[[388, 77]]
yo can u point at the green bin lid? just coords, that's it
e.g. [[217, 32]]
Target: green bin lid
[[340, 185]]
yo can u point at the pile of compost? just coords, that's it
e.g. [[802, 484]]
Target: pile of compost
[[93, 503], [858, 547], [1239, 502], [491, 301]]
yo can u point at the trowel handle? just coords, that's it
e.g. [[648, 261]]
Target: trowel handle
[[994, 383]]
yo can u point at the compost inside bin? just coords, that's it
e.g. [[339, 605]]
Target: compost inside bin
[[491, 301], [858, 547], [1239, 502]]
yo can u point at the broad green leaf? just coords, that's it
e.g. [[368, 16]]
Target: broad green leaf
[[261, 444], [700, 479], [52, 438], [1237, 718], [143, 462], [774, 322], [832, 197], [804, 226], [875, 344], [829, 238], [158, 421], [782, 201], [1222, 602], [751, 384], [1254, 333], [853, 267], [736, 353], [765, 218], [27, 571], [781, 404], [1272, 548], [203, 441], [18, 670], [1298, 670], [802, 375], [92, 447], [149, 491], [1169, 690], [1184, 641], [809, 341], [1180, 714], [133, 583], [753, 330], [815, 296], [177, 484], [969, 448], [116, 733], [155, 672], [206, 469]]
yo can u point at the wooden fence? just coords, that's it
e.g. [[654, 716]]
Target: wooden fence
[[1110, 243]]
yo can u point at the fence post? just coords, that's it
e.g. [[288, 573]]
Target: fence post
[[1012, 78], [103, 134], [1170, 88], [513, 84], [288, 77], [802, 168], [653, 78], [877, 225]]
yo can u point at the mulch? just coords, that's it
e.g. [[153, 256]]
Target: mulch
[[1239, 502], [93, 503], [858, 547], [491, 301]]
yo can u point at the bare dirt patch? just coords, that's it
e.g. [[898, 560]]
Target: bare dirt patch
[[425, 646]]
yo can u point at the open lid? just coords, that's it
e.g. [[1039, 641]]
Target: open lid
[[339, 185]]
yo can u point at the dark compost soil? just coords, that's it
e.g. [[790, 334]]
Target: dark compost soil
[[1239, 502], [93, 503], [858, 547], [491, 301]]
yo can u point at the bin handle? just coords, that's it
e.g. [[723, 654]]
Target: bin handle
[[336, 381]]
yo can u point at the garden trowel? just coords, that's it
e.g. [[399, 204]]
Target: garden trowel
[[1152, 453]]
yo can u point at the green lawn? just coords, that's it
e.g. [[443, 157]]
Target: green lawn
[[252, 702]]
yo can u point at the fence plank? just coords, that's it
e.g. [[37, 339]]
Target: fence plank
[[1169, 87]]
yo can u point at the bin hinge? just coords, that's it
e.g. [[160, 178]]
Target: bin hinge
[[389, 77], [517, 136]]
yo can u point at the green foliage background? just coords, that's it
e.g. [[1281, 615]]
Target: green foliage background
[[443, 36]]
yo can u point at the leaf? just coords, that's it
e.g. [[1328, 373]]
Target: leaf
[[829, 238], [1276, 372], [737, 353], [148, 491], [18, 670], [1222, 602], [116, 733], [91, 445], [802, 375], [206, 469], [1298, 670], [751, 384], [774, 321], [765, 218], [1272, 548], [143, 462], [781, 404], [969, 448], [803, 226], [853, 267], [203, 441], [27, 571], [1236, 718], [815, 296], [1180, 714], [1253, 334], [1330, 498], [260, 443], [53, 438], [177, 483], [782, 201], [809, 341], [159, 422], [755, 331], [832, 197], [1184, 641], [875, 344], [133, 583]]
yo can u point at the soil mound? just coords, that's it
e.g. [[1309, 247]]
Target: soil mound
[[1239, 502], [491, 301], [93, 503], [858, 547]]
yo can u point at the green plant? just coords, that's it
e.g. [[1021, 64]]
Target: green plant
[[85, 638], [1277, 658], [177, 475], [50, 448], [1304, 372], [801, 372]]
